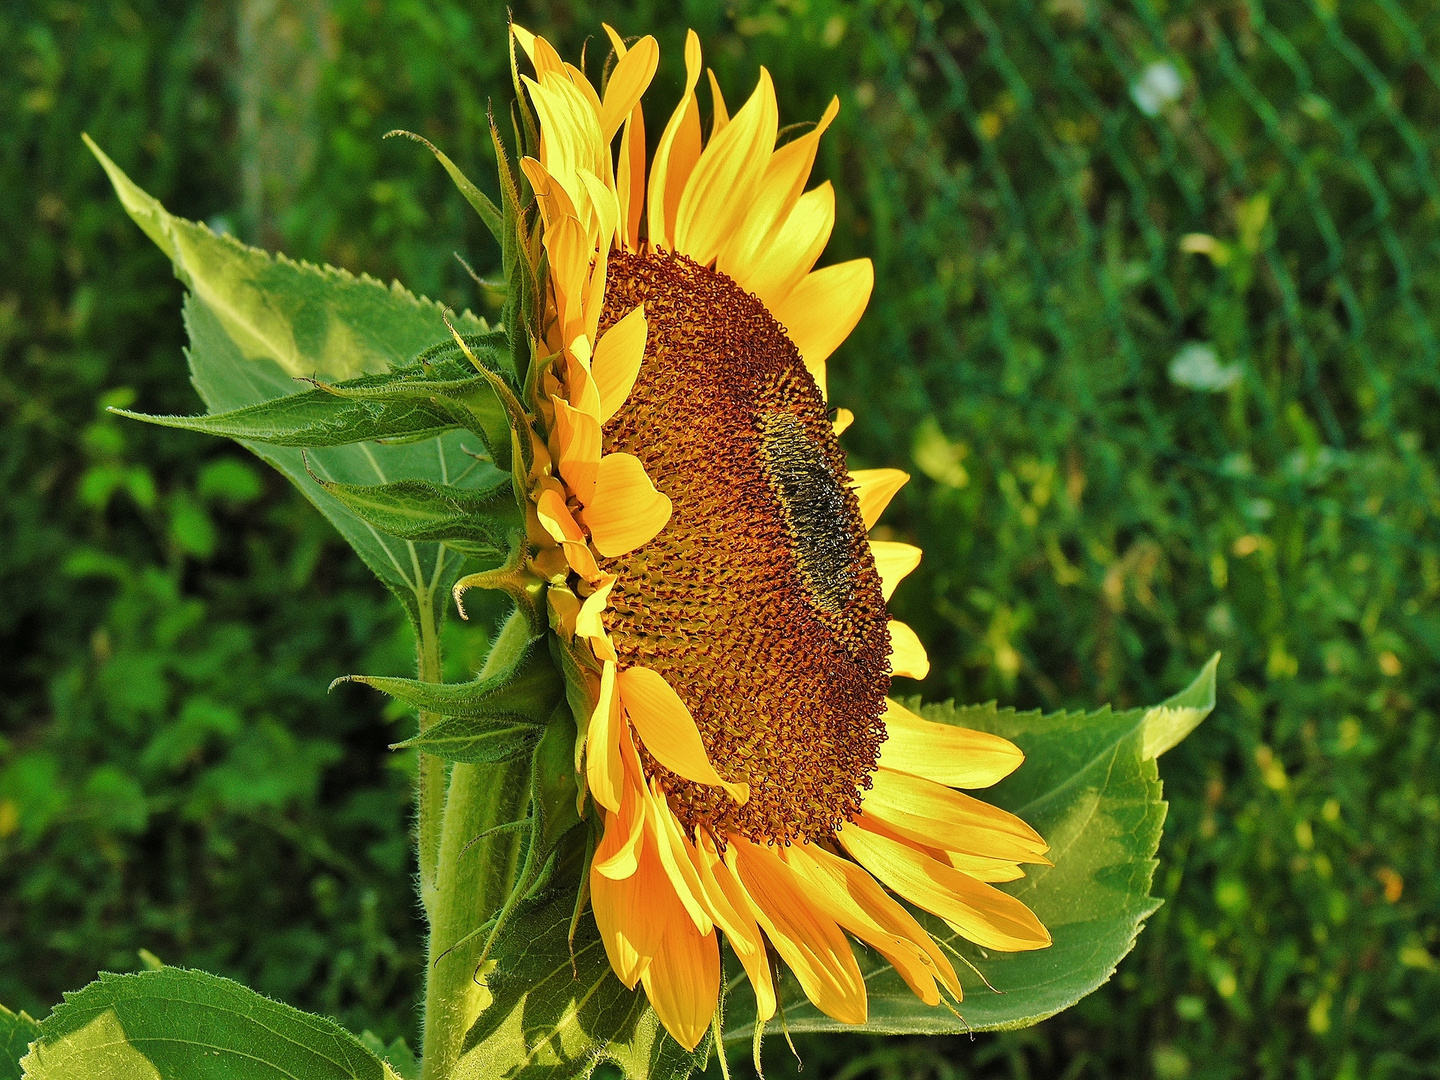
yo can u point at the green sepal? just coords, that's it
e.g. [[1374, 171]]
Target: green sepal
[[528, 688], [473, 195], [316, 418], [554, 791], [178, 1024], [477, 522], [477, 740], [17, 1032]]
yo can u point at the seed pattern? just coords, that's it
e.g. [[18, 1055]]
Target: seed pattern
[[759, 602]]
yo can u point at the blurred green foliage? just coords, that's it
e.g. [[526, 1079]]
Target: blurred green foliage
[[1153, 326]]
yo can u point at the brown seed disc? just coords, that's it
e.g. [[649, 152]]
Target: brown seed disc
[[759, 602]]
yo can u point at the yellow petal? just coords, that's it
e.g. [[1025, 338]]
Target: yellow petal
[[579, 383], [936, 816], [589, 622], [722, 116], [668, 730], [893, 562], [982, 913], [617, 854], [955, 756], [797, 246], [822, 310], [617, 361], [543, 55], [628, 511], [853, 899], [679, 868], [628, 83], [744, 936], [907, 655], [604, 771], [630, 182], [843, 419], [556, 519], [578, 437], [569, 274], [682, 981], [579, 80], [676, 152], [525, 39], [874, 488], [616, 41], [606, 209], [728, 170], [810, 942], [983, 869], [784, 180], [633, 912]]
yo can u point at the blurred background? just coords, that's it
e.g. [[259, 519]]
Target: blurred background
[[1156, 327]]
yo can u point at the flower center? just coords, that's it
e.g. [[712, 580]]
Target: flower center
[[759, 602]]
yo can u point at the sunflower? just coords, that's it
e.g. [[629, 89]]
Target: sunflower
[[711, 577]]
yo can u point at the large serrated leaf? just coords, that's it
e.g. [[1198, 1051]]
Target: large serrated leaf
[[177, 1024], [548, 1020], [17, 1031], [476, 522], [1090, 785], [257, 322]]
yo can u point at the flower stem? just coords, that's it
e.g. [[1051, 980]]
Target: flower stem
[[431, 794], [476, 864]]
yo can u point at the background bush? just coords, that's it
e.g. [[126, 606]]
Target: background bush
[[1153, 326]]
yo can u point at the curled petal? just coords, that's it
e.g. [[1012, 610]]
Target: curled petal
[[955, 756], [627, 510], [982, 913], [874, 488], [668, 730], [822, 310], [907, 655], [893, 562], [617, 361]]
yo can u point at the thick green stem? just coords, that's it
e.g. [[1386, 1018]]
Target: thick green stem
[[472, 880], [431, 795]]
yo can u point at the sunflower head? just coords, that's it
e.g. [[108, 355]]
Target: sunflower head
[[709, 575]]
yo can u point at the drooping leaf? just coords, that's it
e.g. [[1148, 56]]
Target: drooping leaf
[[477, 740], [17, 1031], [257, 322], [550, 1020], [1090, 785], [316, 419], [177, 1024], [529, 689], [476, 522]]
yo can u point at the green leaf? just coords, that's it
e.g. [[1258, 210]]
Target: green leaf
[[466, 520], [487, 210], [1090, 786], [550, 1020], [176, 1024], [257, 322], [529, 688], [475, 740], [1166, 724], [316, 419], [17, 1031]]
